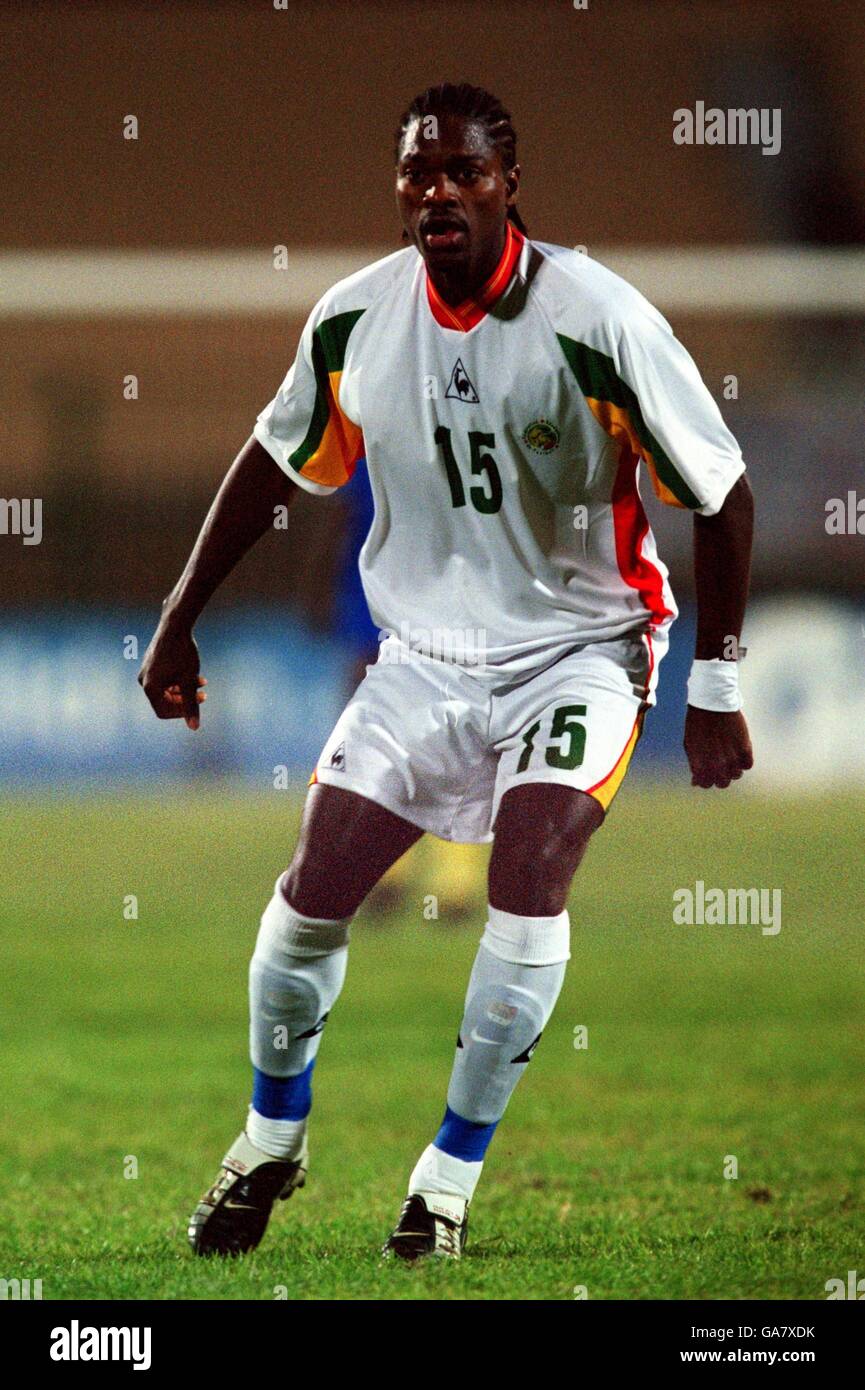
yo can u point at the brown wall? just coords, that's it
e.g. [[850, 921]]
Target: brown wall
[[126, 483], [259, 125]]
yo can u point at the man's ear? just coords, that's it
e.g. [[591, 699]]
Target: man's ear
[[512, 183]]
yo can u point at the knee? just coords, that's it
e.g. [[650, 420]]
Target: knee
[[346, 843], [543, 867], [288, 936], [548, 843], [563, 845], [535, 857], [321, 880], [313, 888]]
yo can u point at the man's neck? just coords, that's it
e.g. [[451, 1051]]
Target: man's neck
[[456, 287]]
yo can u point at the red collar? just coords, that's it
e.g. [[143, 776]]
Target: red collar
[[464, 316]]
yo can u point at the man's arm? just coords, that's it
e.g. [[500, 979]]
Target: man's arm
[[242, 511], [717, 744]]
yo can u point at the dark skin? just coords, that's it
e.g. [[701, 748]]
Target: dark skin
[[453, 195]]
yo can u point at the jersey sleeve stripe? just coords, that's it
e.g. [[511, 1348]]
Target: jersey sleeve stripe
[[617, 423], [333, 443], [616, 408], [630, 528]]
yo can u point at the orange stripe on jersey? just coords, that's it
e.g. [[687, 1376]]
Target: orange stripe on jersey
[[662, 492], [617, 423], [630, 528], [340, 446], [467, 315], [630, 523]]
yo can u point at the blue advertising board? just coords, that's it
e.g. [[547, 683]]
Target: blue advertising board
[[73, 711]]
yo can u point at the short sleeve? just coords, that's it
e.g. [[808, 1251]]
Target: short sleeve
[[692, 458], [303, 428]]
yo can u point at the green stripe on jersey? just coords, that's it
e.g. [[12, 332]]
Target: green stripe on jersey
[[329, 342], [598, 380]]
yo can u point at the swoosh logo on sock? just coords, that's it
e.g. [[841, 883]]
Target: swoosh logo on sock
[[475, 1037]]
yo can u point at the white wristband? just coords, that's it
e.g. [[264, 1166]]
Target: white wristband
[[714, 685]]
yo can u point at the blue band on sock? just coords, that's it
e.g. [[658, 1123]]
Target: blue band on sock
[[463, 1138], [282, 1097]]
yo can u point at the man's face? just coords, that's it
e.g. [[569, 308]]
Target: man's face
[[453, 195]]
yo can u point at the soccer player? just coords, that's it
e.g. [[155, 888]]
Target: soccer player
[[504, 392]]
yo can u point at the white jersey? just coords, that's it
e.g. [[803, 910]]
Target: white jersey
[[503, 441]]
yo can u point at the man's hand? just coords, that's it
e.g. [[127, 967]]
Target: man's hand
[[241, 512], [169, 674], [718, 747]]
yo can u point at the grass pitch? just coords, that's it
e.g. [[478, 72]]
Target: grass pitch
[[124, 1051]]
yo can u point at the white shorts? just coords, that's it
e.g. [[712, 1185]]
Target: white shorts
[[440, 746]]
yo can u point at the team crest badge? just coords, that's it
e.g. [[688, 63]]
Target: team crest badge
[[541, 437]]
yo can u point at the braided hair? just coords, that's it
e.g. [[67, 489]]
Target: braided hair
[[472, 104]]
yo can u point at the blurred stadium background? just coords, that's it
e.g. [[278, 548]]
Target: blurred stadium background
[[153, 258], [259, 128]]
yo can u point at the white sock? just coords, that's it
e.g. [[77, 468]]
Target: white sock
[[513, 988], [295, 977], [440, 1172], [279, 1138], [514, 984]]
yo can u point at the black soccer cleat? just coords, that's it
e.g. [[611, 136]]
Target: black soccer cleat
[[232, 1216], [429, 1224]]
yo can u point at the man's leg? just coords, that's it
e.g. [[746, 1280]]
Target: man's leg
[[541, 834], [297, 971], [346, 843]]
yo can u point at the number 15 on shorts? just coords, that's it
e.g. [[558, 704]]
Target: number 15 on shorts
[[567, 741]]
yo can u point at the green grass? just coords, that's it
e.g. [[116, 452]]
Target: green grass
[[129, 1038]]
